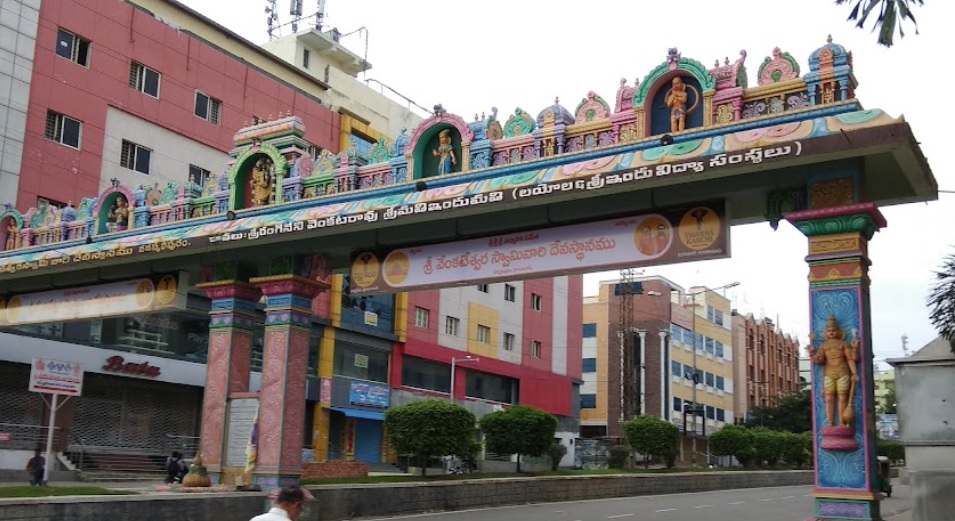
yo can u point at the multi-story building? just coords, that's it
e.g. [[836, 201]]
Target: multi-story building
[[771, 358], [884, 387], [668, 321], [152, 93]]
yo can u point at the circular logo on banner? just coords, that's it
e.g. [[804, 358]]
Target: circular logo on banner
[[653, 236], [145, 292], [166, 290], [397, 268], [364, 271], [699, 228], [13, 310]]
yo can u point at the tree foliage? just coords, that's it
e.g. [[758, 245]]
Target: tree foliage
[[652, 436], [893, 450], [892, 14], [430, 428], [519, 430], [890, 403], [769, 445], [797, 448], [941, 301], [792, 412], [734, 440], [557, 452]]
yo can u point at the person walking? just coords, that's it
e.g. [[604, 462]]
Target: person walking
[[287, 504], [36, 467]]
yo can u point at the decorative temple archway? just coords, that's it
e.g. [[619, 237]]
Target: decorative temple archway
[[800, 149]]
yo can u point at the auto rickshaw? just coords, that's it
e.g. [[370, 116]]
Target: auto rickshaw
[[884, 475]]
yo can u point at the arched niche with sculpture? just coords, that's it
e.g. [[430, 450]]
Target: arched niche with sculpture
[[675, 96], [440, 145], [114, 209], [256, 177], [11, 222]]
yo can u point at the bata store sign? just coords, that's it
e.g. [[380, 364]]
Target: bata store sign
[[118, 364]]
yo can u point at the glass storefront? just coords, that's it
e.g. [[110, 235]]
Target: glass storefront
[[178, 335]]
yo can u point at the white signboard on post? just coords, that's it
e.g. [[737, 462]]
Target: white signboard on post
[[56, 377]]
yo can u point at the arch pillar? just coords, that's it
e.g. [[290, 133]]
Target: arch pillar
[[844, 437]]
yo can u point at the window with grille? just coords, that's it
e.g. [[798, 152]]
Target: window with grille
[[483, 288], [508, 341], [451, 325], [483, 334], [144, 79], [63, 129], [421, 316], [208, 108], [198, 175], [306, 56], [73, 47], [535, 348], [313, 150], [510, 293], [135, 157]]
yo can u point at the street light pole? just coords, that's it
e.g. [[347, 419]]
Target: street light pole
[[696, 406], [454, 363]]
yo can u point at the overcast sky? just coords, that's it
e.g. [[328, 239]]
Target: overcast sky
[[507, 54]]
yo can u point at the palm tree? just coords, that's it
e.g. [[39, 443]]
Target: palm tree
[[890, 11], [941, 301]]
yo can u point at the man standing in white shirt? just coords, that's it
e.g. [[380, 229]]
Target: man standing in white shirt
[[287, 506]]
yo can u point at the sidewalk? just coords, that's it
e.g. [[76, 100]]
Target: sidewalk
[[902, 516]]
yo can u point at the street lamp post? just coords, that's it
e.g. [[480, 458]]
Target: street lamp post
[[696, 406], [454, 364]]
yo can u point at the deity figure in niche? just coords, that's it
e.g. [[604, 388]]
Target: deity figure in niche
[[445, 153], [13, 234], [262, 182], [119, 215], [677, 98], [840, 376]]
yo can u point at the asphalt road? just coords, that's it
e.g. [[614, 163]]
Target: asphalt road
[[778, 504]]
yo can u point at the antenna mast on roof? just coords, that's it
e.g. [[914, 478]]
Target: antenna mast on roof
[[320, 15], [295, 9], [272, 17]]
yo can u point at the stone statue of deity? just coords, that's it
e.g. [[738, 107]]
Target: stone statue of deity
[[119, 214], [676, 99], [13, 235], [445, 153], [262, 182], [840, 375]]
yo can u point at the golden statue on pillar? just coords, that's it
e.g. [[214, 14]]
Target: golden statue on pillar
[[840, 380], [262, 182]]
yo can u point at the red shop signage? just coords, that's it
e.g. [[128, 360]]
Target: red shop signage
[[116, 364]]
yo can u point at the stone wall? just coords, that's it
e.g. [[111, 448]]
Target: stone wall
[[340, 502], [335, 469]]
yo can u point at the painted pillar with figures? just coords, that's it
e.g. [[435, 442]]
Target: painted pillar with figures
[[232, 321], [288, 323], [844, 435]]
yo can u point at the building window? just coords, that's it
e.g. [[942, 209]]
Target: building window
[[451, 325], [720, 383], [198, 175], [588, 401], [73, 47], [677, 369], [589, 365], [537, 302], [208, 108], [306, 56], [425, 374], [483, 288], [719, 348], [535, 349], [144, 79], [709, 379], [421, 316], [510, 293], [135, 157], [313, 150], [508, 341], [710, 412], [63, 129], [483, 334], [677, 404], [720, 415], [492, 387], [362, 145], [590, 330]]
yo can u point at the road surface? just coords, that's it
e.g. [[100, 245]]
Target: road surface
[[777, 504]]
